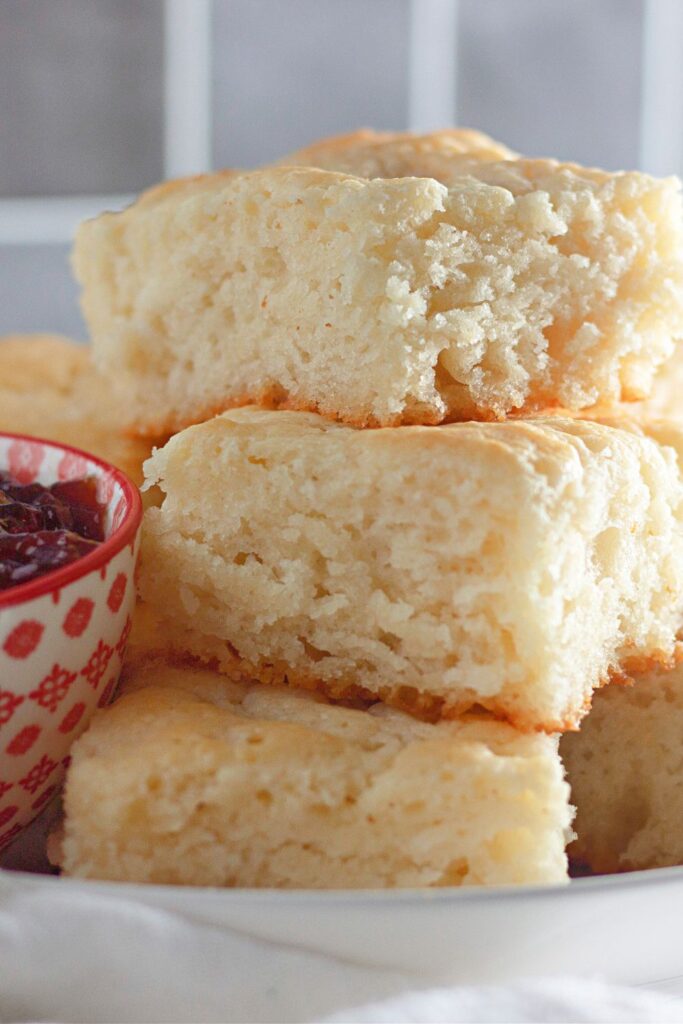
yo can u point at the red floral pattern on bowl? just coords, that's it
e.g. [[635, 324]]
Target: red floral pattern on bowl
[[62, 636]]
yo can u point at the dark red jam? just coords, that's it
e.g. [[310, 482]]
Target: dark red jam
[[45, 528]]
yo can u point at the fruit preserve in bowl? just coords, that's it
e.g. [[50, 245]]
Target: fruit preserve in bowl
[[69, 533]]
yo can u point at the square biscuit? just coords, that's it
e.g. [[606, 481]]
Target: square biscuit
[[50, 389], [188, 779], [624, 764], [511, 565], [507, 286], [624, 767]]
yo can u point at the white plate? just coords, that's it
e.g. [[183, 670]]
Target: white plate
[[626, 928]]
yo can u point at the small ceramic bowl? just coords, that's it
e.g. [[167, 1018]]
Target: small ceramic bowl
[[62, 636]]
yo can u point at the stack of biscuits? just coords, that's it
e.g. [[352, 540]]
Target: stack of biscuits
[[406, 528]]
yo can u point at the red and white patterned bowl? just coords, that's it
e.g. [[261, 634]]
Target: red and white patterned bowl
[[62, 636]]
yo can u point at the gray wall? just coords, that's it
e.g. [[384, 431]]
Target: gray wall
[[82, 96]]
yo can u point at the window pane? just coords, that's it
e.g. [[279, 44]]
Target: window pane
[[553, 78], [287, 73], [81, 96], [38, 292]]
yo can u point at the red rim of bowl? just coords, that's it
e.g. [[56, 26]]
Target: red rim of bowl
[[122, 535]]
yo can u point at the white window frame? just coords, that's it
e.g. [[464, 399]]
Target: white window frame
[[433, 72], [661, 88]]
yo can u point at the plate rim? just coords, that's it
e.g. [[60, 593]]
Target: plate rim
[[442, 895]]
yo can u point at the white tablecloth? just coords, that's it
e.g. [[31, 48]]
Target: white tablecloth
[[68, 956]]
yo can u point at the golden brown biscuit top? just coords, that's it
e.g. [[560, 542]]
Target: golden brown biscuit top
[[370, 154], [32, 362], [50, 389]]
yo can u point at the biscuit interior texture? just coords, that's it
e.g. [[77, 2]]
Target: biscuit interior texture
[[624, 767], [511, 565], [50, 389], [666, 399], [193, 780], [509, 286]]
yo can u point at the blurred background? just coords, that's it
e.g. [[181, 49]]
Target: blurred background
[[101, 98]]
